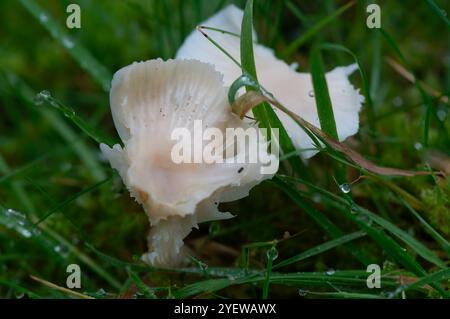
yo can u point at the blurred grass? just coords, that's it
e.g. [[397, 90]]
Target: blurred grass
[[51, 170]]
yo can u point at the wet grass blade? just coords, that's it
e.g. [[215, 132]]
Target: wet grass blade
[[439, 239], [321, 94], [346, 295], [415, 245], [141, 286], [80, 54], [390, 246], [19, 288], [324, 222], [341, 278], [364, 79], [320, 249], [433, 278], [438, 11]]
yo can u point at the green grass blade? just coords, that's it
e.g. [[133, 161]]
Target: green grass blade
[[327, 225], [390, 246], [346, 295], [266, 284], [364, 79], [321, 94], [247, 56], [417, 246], [438, 11], [297, 13], [431, 279], [141, 286], [341, 278], [320, 249], [439, 239]]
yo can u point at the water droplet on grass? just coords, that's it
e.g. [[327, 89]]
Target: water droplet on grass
[[311, 93], [19, 294], [101, 292], [45, 94], [345, 188], [316, 198], [231, 277], [41, 97], [441, 114], [302, 292], [43, 17], [272, 253], [25, 233], [68, 43], [418, 146], [203, 266], [19, 222], [330, 272], [38, 100]]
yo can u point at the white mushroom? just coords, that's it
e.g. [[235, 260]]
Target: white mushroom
[[149, 100], [291, 88]]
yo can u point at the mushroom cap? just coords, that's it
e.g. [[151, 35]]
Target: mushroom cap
[[149, 101]]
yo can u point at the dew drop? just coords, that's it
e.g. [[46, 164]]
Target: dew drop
[[231, 277], [43, 17], [418, 146], [441, 115], [302, 292], [345, 188], [101, 292], [45, 94], [19, 294], [272, 253], [330, 272], [316, 198], [25, 233], [68, 43], [203, 266], [38, 100], [311, 93]]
